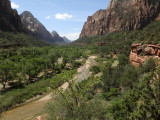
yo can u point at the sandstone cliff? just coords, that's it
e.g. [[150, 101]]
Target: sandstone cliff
[[9, 18], [122, 15]]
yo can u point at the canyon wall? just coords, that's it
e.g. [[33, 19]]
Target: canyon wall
[[122, 15]]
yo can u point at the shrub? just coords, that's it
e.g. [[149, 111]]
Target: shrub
[[95, 69]]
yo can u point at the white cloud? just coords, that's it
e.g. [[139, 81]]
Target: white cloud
[[14, 5], [47, 17], [63, 16], [71, 36]]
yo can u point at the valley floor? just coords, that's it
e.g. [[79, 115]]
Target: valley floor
[[31, 110]]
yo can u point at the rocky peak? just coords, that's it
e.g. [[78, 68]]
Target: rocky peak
[[35, 27], [121, 15], [9, 18], [58, 38], [54, 33]]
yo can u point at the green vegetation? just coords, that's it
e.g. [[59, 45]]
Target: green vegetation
[[14, 40], [123, 92], [95, 69], [25, 64], [78, 102], [120, 42], [20, 95], [28, 72]]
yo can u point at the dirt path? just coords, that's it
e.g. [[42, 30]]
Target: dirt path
[[30, 110]]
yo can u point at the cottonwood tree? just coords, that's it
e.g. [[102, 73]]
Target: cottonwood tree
[[5, 73], [76, 103]]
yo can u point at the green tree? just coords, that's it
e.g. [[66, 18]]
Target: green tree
[[6, 73], [73, 103]]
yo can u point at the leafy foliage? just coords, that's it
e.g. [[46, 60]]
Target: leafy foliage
[[74, 103], [16, 40]]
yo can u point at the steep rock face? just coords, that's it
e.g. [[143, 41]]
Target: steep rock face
[[141, 53], [9, 18], [35, 27], [122, 15]]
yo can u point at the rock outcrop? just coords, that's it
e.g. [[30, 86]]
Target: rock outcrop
[[122, 15], [9, 18], [141, 53]]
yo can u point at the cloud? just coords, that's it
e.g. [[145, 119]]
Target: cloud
[[14, 5], [48, 17], [71, 36], [63, 16]]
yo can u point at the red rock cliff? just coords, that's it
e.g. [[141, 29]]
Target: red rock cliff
[[9, 18], [122, 15]]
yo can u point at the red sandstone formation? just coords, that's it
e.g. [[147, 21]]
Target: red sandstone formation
[[141, 53], [122, 15]]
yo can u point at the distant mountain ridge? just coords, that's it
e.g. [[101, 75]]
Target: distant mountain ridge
[[122, 15], [66, 40], [59, 38], [9, 18], [38, 29]]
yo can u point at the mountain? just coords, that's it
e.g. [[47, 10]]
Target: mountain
[[9, 18], [35, 27], [12, 32], [66, 40], [122, 15], [60, 40], [56, 36]]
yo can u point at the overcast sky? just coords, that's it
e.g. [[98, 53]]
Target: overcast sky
[[67, 17]]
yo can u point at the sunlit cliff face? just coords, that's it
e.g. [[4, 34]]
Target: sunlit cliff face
[[121, 15]]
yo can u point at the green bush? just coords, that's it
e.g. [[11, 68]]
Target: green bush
[[95, 69], [111, 94]]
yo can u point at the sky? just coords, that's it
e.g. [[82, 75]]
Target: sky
[[67, 17]]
